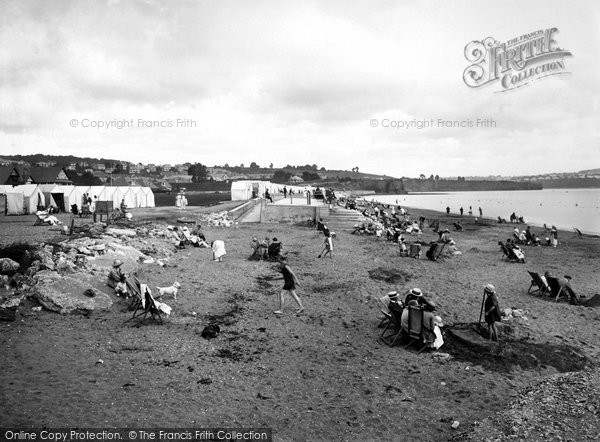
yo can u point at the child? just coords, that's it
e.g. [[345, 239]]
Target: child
[[328, 246], [290, 283], [121, 288], [492, 310]]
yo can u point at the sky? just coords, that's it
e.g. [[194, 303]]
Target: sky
[[371, 84]]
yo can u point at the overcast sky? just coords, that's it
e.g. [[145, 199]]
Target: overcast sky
[[295, 83]]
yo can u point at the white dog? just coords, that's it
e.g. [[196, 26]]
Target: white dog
[[172, 290]]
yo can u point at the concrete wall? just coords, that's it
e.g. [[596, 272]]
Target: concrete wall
[[275, 213]]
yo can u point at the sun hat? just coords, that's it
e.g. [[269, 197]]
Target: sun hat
[[393, 295], [416, 292], [490, 288], [117, 263], [438, 321], [452, 242]]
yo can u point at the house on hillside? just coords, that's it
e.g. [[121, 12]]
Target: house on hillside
[[296, 179], [47, 175], [9, 175]]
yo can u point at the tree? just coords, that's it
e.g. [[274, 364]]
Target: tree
[[253, 165], [310, 176], [198, 172], [242, 165], [437, 177], [225, 166], [422, 176], [431, 177], [281, 176], [271, 165], [118, 168]]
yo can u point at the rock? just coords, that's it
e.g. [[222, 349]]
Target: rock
[[121, 232], [9, 306], [8, 266], [44, 256], [455, 424], [65, 294]]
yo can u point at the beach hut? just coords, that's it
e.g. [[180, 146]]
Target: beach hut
[[127, 194], [13, 204], [54, 195], [148, 196], [244, 190], [93, 191], [73, 195], [32, 197]]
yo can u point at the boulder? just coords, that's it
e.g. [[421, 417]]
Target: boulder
[[66, 294], [8, 266]]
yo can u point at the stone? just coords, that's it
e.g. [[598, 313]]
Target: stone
[[44, 256], [121, 232], [9, 306], [8, 266], [65, 294]]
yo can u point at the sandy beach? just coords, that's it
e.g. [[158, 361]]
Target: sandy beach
[[321, 375]]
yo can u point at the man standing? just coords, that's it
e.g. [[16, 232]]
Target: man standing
[[290, 283]]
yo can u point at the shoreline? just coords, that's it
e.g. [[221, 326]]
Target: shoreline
[[562, 228]]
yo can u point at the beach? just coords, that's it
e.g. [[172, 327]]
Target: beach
[[321, 375]]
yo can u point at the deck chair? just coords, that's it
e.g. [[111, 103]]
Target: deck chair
[[435, 251], [135, 291], [394, 326], [555, 288], [537, 281], [40, 218], [415, 327], [415, 251], [385, 302], [146, 307]]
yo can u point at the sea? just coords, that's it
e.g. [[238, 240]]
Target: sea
[[564, 208]]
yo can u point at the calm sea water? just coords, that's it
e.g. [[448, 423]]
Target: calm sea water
[[565, 208]]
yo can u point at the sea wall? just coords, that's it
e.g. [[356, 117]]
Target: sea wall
[[276, 213]]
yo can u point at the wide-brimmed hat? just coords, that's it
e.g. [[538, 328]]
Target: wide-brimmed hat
[[416, 292], [117, 263], [438, 321], [393, 295], [490, 288]]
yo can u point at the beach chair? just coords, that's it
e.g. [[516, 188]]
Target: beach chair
[[537, 281], [394, 326], [147, 306], [555, 288], [435, 251], [415, 327], [40, 217], [415, 251], [135, 291], [385, 302]]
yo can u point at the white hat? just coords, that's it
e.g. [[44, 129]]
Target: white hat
[[490, 288]]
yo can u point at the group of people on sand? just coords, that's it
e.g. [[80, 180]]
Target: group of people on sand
[[432, 323], [270, 249], [462, 211]]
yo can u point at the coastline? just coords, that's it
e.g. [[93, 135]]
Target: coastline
[[319, 376], [529, 215]]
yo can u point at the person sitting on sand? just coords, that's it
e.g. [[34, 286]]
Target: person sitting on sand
[[274, 250], [429, 323], [121, 288], [289, 285], [116, 274], [218, 248], [444, 236], [492, 310], [254, 246], [565, 285], [452, 249]]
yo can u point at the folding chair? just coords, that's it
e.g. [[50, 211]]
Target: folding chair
[[555, 288], [415, 251], [537, 281], [40, 217], [147, 306], [394, 325], [135, 290], [415, 327], [387, 315]]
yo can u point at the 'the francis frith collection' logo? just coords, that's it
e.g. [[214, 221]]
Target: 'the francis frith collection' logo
[[515, 63]]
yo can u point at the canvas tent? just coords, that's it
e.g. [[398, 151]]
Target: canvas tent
[[32, 197], [54, 195], [147, 197], [244, 190]]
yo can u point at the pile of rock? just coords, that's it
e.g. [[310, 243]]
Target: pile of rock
[[218, 219]]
